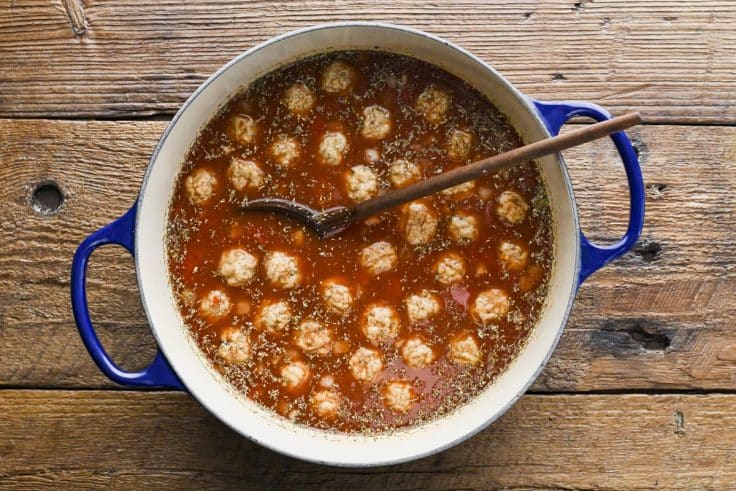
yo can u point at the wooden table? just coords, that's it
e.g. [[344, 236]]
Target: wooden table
[[641, 391]]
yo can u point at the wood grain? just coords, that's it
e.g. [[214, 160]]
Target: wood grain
[[673, 61], [661, 317], [154, 440]]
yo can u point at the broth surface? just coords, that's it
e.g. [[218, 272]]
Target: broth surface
[[400, 318]]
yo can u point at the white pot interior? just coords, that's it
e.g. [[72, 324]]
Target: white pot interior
[[260, 424]]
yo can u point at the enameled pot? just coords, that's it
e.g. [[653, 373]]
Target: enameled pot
[[179, 364]]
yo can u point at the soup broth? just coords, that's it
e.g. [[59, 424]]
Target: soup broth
[[401, 317]]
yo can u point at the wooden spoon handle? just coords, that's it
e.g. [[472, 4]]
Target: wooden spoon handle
[[497, 162]]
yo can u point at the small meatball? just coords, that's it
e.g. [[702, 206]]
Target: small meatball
[[283, 270], [513, 256], [419, 223], [380, 323], [200, 186], [459, 145], [366, 364], [378, 257], [243, 129], [325, 403], [433, 104], [511, 207], [422, 306], [361, 182], [449, 269], [376, 123], [274, 316], [464, 349], [299, 99], [285, 150], [234, 346], [399, 396], [463, 228], [402, 173], [337, 77], [237, 266], [314, 338], [460, 191], [215, 304], [332, 148], [416, 352], [337, 296], [294, 375], [245, 174], [490, 305]]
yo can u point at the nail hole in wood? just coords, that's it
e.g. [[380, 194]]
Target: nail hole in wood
[[679, 423], [648, 337], [656, 190], [47, 198], [649, 250], [558, 76]]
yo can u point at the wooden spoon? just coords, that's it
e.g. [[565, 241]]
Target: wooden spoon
[[334, 220]]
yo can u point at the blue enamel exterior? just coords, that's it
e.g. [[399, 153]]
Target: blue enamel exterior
[[159, 372], [594, 257]]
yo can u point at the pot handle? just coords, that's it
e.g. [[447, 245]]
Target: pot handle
[[594, 257], [121, 232]]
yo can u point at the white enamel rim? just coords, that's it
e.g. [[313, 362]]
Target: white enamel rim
[[263, 426]]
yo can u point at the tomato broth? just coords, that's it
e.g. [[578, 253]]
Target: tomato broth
[[400, 318]]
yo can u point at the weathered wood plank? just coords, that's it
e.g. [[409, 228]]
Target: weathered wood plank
[[148, 440], [662, 317], [119, 58]]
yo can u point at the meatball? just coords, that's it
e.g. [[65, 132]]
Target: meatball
[[332, 148], [245, 174], [459, 145], [376, 123], [433, 104], [366, 364], [234, 346], [463, 228], [294, 375], [402, 173], [274, 316], [285, 150], [378, 257], [325, 403], [380, 323], [416, 352], [513, 256], [422, 306], [314, 338], [418, 223], [490, 305], [215, 304], [464, 349], [299, 99], [337, 77], [337, 296], [237, 266], [511, 207], [460, 191], [399, 396], [283, 270], [361, 183], [450, 268], [200, 186], [243, 129]]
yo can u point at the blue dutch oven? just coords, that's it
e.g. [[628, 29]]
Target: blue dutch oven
[[179, 365]]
